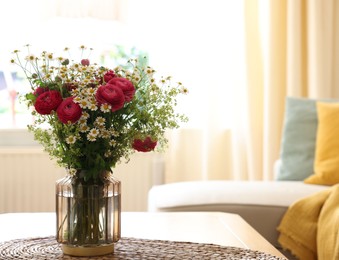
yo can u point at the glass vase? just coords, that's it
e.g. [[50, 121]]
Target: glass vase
[[88, 215]]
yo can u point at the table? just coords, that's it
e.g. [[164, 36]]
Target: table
[[223, 229]]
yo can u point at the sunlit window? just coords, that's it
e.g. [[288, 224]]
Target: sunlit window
[[195, 41]]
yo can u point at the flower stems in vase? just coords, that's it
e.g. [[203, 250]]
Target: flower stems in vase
[[89, 212]]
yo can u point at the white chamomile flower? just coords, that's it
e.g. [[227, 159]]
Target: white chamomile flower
[[149, 71], [83, 103], [118, 69], [91, 138], [136, 78], [82, 84], [112, 143], [30, 57], [105, 108], [82, 121], [49, 56], [86, 81], [100, 120], [83, 128], [71, 139], [108, 154], [91, 91], [74, 91], [63, 69], [100, 127], [114, 133], [77, 99], [183, 90], [92, 107], [85, 115], [105, 133], [128, 74], [94, 132], [75, 67]]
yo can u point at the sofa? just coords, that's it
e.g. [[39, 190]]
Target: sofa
[[308, 164], [261, 203]]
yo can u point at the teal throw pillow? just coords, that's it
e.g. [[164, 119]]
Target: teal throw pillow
[[298, 139]]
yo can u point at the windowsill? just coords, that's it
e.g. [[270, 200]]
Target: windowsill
[[17, 138]]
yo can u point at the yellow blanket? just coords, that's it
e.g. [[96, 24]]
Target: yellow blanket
[[309, 228]]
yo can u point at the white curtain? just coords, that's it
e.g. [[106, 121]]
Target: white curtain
[[289, 49], [296, 54], [199, 43]]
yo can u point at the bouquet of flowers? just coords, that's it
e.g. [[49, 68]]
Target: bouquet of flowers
[[88, 117]]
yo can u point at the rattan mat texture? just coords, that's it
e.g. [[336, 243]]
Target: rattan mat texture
[[129, 248]]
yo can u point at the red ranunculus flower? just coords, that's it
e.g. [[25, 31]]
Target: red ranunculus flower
[[40, 90], [145, 145], [109, 94], [109, 75], [85, 62], [69, 111], [47, 101], [126, 87]]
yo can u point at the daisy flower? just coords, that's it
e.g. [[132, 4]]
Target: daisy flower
[[94, 132], [91, 138], [30, 58], [105, 133], [92, 107], [105, 108], [84, 103], [100, 120], [91, 91], [85, 115], [183, 90], [71, 139], [83, 128]]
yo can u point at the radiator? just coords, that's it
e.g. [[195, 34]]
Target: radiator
[[28, 176]]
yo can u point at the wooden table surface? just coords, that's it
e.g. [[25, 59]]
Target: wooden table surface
[[201, 227]]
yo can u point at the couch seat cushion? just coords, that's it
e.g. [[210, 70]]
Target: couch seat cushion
[[268, 193]]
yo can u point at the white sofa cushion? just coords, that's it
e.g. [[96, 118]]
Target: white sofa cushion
[[268, 193]]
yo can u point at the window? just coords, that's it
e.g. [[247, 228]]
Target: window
[[195, 41]]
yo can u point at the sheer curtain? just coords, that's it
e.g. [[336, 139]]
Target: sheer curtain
[[199, 43], [296, 54]]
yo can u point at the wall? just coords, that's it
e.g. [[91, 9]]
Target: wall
[[27, 180]]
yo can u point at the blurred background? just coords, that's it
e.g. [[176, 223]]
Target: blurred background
[[238, 59]]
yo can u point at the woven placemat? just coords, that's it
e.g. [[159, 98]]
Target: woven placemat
[[128, 249]]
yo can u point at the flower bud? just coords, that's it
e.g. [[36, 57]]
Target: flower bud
[[65, 62], [85, 62]]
